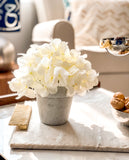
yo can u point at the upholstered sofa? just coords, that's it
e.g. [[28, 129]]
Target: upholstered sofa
[[90, 22]]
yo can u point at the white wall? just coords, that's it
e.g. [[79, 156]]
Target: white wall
[[22, 39]]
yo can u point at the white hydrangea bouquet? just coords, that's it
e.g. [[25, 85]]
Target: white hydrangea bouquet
[[46, 67]]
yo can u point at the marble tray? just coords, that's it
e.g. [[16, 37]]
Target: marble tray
[[90, 127]]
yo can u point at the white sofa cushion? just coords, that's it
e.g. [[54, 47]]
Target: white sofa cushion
[[104, 62]]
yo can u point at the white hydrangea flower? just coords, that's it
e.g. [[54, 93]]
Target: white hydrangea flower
[[43, 68]]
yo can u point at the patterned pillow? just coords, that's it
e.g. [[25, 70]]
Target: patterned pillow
[[96, 19]]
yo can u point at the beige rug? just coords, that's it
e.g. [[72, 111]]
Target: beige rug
[[90, 127]]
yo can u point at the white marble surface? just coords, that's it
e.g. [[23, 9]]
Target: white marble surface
[[92, 97]]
